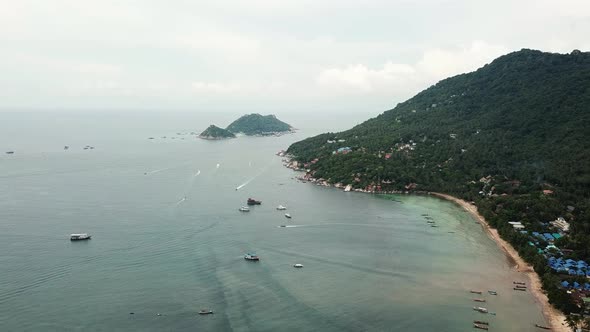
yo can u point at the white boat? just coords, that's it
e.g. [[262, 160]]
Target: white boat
[[298, 265], [288, 215], [251, 257], [280, 207], [245, 209], [79, 237]]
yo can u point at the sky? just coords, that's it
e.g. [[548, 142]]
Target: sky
[[261, 55]]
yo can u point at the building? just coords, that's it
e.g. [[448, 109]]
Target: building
[[561, 224]]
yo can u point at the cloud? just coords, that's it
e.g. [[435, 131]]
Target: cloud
[[209, 88], [434, 65]]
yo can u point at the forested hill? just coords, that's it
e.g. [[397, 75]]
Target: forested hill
[[214, 132], [256, 124], [522, 122]]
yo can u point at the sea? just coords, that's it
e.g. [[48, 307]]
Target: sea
[[168, 239]]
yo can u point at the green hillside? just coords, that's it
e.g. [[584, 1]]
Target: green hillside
[[214, 132], [256, 124], [513, 137]]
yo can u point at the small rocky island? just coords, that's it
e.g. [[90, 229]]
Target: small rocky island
[[215, 133], [250, 125]]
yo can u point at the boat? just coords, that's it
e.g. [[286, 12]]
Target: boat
[[479, 300], [280, 208], [288, 215], [491, 292], [298, 265], [475, 291], [481, 327], [480, 322], [252, 201], [251, 257], [205, 312], [481, 309], [543, 327], [79, 237], [244, 209]]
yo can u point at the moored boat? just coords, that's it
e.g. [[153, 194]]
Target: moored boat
[[481, 327], [80, 237], [252, 201], [251, 257], [480, 322]]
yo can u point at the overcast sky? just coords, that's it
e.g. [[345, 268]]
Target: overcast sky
[[265, 55]]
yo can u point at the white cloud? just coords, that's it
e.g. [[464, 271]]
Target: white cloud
[[395, 78], [262, 53]]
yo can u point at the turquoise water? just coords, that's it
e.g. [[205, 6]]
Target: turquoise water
[[168, 238]]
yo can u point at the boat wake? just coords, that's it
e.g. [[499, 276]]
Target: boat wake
[[157, 171], [254, 177]]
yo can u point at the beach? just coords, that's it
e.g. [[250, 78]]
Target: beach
[[555, 318]]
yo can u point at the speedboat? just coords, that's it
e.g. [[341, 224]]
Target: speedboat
[[288, 215], [251, 257], [298, 265], [244, 209], [79, 237], [280, 207], [205, 312]]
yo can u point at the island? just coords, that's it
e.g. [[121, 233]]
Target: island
[[259, 125], [215, 133], [509, 142]]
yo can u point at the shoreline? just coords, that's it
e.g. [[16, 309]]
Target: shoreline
[[554, 317]]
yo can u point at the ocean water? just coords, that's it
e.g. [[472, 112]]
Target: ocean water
[[168, 238]]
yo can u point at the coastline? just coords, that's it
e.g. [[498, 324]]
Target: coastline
[[554, 317]]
